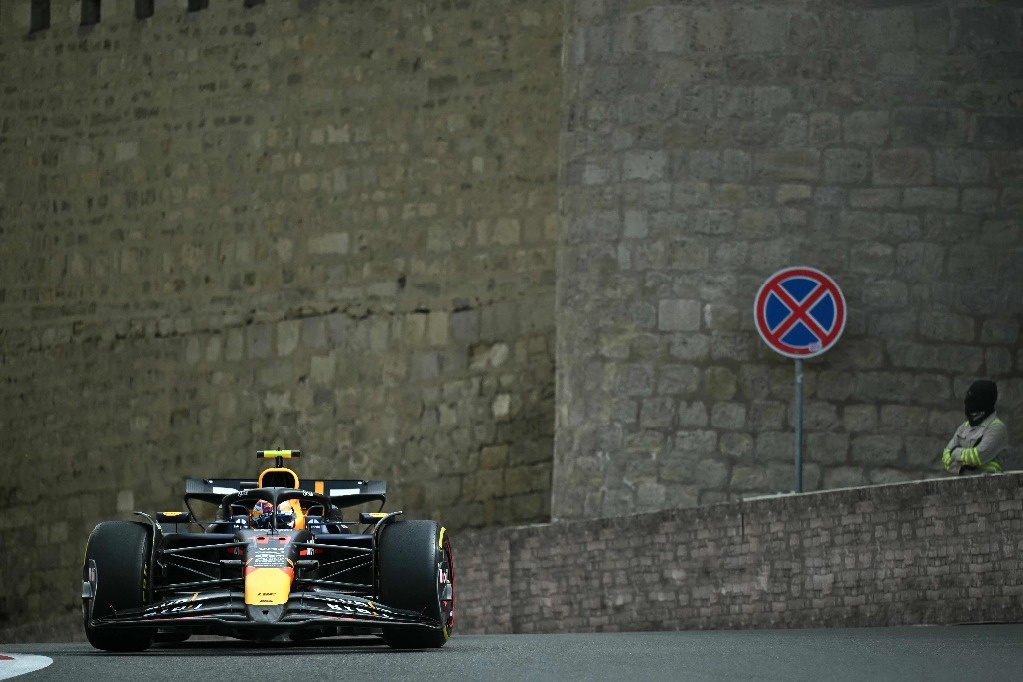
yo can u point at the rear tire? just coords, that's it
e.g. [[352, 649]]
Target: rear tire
[[121, 550], [415, 564]]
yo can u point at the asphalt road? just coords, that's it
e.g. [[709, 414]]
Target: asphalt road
[[960, 653]]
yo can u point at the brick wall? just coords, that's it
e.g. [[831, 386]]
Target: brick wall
[[941, 551], [323, 225], [707, 145]]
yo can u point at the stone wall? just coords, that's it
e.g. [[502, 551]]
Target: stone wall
[[931, 552], [321, 225], [707, 145]]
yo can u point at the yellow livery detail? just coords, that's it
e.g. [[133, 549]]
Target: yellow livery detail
[[267, 586], [271, 454]]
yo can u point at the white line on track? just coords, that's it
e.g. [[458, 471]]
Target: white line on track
[[12, 665]]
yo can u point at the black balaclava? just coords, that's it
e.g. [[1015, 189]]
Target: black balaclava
[[980, 401]]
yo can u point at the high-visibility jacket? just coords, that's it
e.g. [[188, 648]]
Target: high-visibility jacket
[[976, 449]]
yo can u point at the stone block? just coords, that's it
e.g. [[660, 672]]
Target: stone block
[[775, 446], [710, 474], [465, 326], [748, 478], [980, 200], [313, 333], [825, 129], [798, 165], [887, 30], [875, 198], [665, 30], [506, 232], [690, 347], [846, 166], [678, 380], [860, 418], [961, 167], [692, 414], [644, 165], [925, 126], [657, 412], [793, 194], [498, 321], [920, 260], [827, 449], [843, 477], [720, 383], [902, 167], [947, 327], [984, 29], [709, 29], [877, 450], [872, 258], [1000, 330], [765, 415], [868, 129], [711, 222], [676, 315], [333, 244], [999, 130], [883, 386], [760, 29], [288, 332], [259, 341], [931, 198], [635, 380], [818, 415], [736, 446], [728, 415], [904, 418], [998, 362]]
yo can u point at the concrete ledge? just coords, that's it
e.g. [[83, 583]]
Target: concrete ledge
[[927, 552]]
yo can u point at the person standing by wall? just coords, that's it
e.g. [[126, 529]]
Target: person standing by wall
[[979, 441]]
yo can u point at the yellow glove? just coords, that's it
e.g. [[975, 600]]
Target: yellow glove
[[946, 459]]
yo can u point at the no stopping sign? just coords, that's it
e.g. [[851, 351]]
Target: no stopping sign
[[799, 312]]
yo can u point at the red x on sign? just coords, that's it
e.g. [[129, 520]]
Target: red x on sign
[[799, 312]]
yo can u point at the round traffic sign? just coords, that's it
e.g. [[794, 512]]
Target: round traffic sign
[[799, 312]]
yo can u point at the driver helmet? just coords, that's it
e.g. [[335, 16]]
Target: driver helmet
[[261, 514], [285, 515]]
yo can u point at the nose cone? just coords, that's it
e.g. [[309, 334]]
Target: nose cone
[[267, 586]]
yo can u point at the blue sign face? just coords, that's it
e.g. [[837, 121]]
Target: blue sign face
[[799, 312]]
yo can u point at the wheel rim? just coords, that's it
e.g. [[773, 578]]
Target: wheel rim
[[446, 586]]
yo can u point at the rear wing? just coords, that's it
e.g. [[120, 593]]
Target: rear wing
[[342, 492]]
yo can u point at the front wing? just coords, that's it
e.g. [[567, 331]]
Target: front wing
[[225, 613]]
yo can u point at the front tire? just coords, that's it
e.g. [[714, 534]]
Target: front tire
[[120, 550], [416, 573]]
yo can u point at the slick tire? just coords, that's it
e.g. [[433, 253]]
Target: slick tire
[[121, 550], [416, 574]]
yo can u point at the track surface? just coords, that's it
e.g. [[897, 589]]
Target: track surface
[[973, 652]]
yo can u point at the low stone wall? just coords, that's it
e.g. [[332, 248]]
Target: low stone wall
[[937, 551]]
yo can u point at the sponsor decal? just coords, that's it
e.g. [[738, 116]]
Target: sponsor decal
[[355, 608], [174, 606], [271, 557]]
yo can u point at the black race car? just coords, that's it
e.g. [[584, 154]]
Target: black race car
[[275, 560]]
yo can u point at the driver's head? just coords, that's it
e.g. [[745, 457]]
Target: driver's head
[[261, 514], [285, 515]]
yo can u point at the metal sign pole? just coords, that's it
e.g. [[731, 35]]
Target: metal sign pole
[[800, 313], [799, 425]]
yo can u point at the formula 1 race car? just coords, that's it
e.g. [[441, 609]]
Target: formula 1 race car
[[277, 561]]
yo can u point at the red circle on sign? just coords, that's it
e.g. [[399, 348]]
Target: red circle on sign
[[799, 312]]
